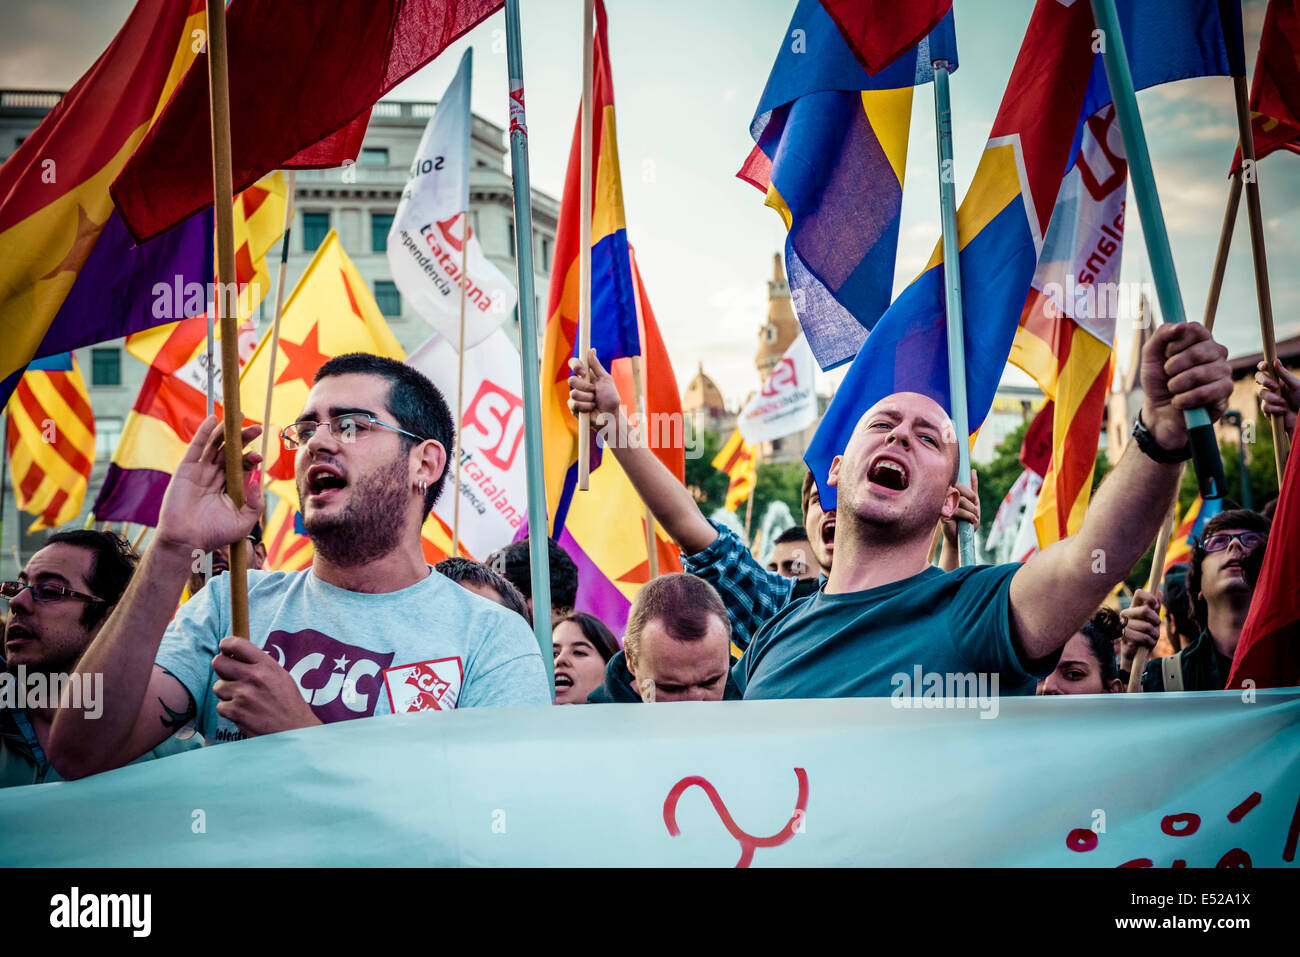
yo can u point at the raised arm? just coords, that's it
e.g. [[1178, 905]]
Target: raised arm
[[592, 389], [145, 704], [1056, 591]]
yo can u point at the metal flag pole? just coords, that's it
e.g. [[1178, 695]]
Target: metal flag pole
[[223, 202], [584, 235], [539, 556], [460, 341], [1200, 431], [952, 297]]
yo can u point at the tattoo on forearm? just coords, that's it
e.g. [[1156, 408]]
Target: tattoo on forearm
[[174, 720]]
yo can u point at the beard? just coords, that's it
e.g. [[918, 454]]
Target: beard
[[372, 523]]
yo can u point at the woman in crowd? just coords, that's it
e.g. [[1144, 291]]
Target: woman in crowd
[[1087, 664], [583, 646]]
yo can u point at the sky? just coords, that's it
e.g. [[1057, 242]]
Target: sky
[[687, 77]]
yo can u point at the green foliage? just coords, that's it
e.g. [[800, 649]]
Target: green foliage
[[778, 481], [707, 484], [997, 477]]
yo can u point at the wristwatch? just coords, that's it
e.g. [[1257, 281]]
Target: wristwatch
[[1154, 450]]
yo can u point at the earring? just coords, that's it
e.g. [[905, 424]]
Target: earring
[[424, 487]]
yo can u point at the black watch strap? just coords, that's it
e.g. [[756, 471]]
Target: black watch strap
[[1154, 450]]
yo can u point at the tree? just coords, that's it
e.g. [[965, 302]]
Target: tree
[[707, 484]]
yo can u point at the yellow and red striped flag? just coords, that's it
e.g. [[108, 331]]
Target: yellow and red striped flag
[[739, 460], [51, 440], [287, 549]]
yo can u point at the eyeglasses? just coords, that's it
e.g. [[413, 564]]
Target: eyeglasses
[[44, 592], [1221, 540], [349, 425]]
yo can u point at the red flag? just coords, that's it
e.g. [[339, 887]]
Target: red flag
[[1268, 651], [880, 31], [302, 81], [1036, 449], [1275, 88]]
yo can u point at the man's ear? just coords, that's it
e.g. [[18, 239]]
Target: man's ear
[[950, 502], [833, 478], [1116, 686], [432, 461]]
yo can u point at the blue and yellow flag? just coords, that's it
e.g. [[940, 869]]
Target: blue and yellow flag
[[1057, 83], [831, 153], [70, 275]]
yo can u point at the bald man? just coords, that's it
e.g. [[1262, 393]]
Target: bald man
[[888, 624]]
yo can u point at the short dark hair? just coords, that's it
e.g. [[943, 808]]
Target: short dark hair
[[795, 533], [1102, 630], [1177, 601], [805, 493], [512, 562], [467, 570], [595, 631], [681, 603], [112, 564], [415, 402], [1232, 518]]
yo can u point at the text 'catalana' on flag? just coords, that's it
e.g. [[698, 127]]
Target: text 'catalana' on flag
[[432, 252]]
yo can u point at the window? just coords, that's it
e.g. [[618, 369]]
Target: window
[[315, 227], [546, 254], [380, 224], [511, 236], [108, 431], [105, 366], [387, 298], [374, 156]]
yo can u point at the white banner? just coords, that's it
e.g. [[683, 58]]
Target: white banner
[[1015, 516], [1198, 780], [787, 403], [493, 480], [426, 241]]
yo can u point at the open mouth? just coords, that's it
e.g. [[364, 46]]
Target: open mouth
[[888, 473], [828, 532], [562, 681], [323, 481]]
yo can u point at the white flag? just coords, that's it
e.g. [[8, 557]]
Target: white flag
[[493, 480], [787, 402], [1016, 516], [425, 243]]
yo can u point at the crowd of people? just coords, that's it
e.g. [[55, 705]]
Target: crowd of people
[[848, 600]]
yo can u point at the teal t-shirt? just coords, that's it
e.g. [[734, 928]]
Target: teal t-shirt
[[879, 642]]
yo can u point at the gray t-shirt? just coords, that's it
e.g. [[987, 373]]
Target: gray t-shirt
[[431, 646]]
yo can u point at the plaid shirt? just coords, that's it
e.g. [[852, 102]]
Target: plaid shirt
[[751, 593]]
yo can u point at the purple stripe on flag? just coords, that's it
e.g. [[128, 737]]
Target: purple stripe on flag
[[597, 595], [131, 495], [113, 295]]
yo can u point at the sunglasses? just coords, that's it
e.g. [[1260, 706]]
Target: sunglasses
[[44, 592], [1221, 540]]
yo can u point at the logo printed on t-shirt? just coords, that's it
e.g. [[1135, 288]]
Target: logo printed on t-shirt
[[424, 686], [339, 681]]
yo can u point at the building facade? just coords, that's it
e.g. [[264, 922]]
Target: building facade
[[357, 201]]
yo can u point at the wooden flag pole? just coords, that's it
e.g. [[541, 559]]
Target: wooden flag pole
[[1153, 582], [651, 537], [140, 538], [584, 241], [1221, 256], [460, 388], [952, 297], [538, 552], [223, 204], [1200, 431], [275, 323], [1250, 174]]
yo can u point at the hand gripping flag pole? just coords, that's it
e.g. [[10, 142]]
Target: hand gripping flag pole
[[1205, 449], [539, 556], [223, 202], [952, 297]]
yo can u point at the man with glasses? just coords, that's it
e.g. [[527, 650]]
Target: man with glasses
[[369, 629], [1221, 581], [58, 604]]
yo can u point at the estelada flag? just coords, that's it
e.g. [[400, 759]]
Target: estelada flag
[[330, 312], [287, 548], [1275, 88], [739, 460], [69, 274], [1268, 651], [304, 78], [51, 441]]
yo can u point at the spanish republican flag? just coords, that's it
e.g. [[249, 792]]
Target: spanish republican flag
[[69, 273], [173, 397], [51, 441], [739, 460]]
